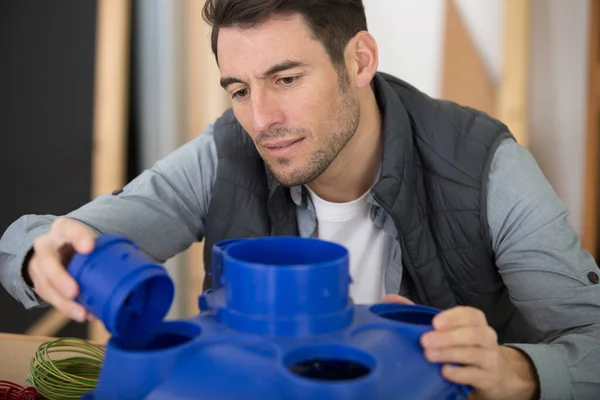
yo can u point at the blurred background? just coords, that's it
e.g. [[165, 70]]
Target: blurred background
[[94, 91]]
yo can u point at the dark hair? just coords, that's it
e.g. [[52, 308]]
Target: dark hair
[[333, 22]]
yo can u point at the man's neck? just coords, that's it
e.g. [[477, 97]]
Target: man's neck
[[355, 169]]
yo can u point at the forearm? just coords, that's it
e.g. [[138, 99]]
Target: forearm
[[149, 213], [567, 367]]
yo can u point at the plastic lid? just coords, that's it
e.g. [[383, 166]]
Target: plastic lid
[[122, 287]]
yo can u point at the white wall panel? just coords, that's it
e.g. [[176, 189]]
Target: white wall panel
[[409, 34]]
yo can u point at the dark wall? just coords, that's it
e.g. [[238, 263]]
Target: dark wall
[[47, 51]]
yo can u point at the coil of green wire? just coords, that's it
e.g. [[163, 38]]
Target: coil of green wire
[[65, 368]]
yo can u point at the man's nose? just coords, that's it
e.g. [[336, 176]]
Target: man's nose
[[266, 111]]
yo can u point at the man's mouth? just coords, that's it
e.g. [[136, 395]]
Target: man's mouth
[[279, 144], [282, 147]]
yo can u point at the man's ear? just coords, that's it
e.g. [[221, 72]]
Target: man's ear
[[362, 57]]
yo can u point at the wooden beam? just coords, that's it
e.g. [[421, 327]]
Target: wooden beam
[[513, 85], [206, 101], [590, 209], [48, 324], [465, 78], [110, 106]]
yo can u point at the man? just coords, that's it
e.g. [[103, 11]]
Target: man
[[436, 202]]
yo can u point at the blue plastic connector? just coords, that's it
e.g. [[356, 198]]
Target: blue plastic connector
[[278, 324], [122, 287], [287, 286]]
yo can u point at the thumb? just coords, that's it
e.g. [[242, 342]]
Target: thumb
[[394, 298]]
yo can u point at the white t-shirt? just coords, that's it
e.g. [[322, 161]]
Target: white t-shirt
[[349, 225]]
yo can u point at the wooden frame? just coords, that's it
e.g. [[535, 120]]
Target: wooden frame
[[465, 78], [513, 89], [591, 198], [110, 107]]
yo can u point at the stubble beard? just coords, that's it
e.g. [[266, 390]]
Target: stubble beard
[[342, 119]]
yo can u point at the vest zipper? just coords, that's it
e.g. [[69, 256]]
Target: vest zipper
[[405, 259]]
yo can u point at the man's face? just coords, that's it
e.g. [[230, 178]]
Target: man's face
[[299, 111]]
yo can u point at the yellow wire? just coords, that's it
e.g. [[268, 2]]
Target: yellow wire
[[65, 368]]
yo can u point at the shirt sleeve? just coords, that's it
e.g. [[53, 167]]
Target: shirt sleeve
[[163, 211], [550, 278]]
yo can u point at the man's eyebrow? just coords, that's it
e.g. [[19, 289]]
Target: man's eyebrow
[[283, 66], [225, 82]]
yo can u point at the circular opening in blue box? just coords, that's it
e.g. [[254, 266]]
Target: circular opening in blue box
[[329, 362], [286, 251], [169, 335]]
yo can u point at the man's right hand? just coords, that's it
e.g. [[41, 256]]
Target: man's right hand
[[47, 266]]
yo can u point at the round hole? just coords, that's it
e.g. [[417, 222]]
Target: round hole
[[170, 335], [329, 363], [405, 313], [286, 251], [330, 370], [167, 340]]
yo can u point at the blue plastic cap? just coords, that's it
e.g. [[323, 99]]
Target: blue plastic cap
[[122, 287], [287, 286]]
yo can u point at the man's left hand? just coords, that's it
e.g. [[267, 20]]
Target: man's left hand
[[462, 336]]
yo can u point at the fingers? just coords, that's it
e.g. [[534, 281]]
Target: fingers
[[46, 266], [462, 336], [67, 307], [51, 280], [475, 351], [394, 298], [47, 291], [80, 237], [466, 355], [459, 316], [468, 348], [480, 336]]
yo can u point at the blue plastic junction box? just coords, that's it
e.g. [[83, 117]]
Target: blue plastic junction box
[[278, 323]]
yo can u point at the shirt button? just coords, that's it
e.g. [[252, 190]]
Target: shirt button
[[593, 277]]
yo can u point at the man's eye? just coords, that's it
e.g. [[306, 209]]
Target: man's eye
[[288, 80], [240, 93]]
